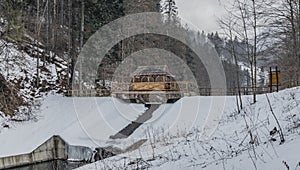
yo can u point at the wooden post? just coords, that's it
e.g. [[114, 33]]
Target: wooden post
[[187, 87], [277, 81], [270, 80]]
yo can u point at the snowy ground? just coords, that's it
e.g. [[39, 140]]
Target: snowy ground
[[230, 146], [90, 122], [175, 132], [81, 126]]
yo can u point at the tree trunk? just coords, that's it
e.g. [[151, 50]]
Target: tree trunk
[[75, 29], [54, 28], [38, 35], [69, 42], [48, 20], [236, 71], [81, 42], [247, 43], [254, 50]]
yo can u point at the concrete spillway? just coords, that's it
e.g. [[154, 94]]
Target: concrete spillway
[[130, 128]]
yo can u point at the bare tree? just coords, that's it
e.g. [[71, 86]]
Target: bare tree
[[284, 26], [37, 28], [69, 39], [254, 55], [247, 18], [228, 25], [54, 27], [81, 39]]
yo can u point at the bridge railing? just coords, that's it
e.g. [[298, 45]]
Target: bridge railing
[[202, 91]]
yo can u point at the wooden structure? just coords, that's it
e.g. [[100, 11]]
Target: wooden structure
[[151, 84], [274, 79], [202, 91]]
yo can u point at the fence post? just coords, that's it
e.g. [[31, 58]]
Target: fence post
[[277, 81], [270, 74]]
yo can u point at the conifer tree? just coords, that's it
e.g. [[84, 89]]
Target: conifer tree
[[170, 10]]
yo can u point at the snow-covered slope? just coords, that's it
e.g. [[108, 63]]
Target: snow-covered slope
[[91, 121], [230, 146], [174, 133], [18, 66], [84, 125]]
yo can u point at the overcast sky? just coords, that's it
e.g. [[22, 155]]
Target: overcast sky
[[202, 14]]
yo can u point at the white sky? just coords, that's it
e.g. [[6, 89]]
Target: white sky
[[202, 14]]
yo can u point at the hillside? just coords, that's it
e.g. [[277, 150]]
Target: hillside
[[18, 70]]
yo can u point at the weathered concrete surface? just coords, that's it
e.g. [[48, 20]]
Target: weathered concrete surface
[[52, 149], [55, 153], [51, 165]]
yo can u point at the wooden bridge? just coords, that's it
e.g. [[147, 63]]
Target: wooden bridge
[[247, 90]]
